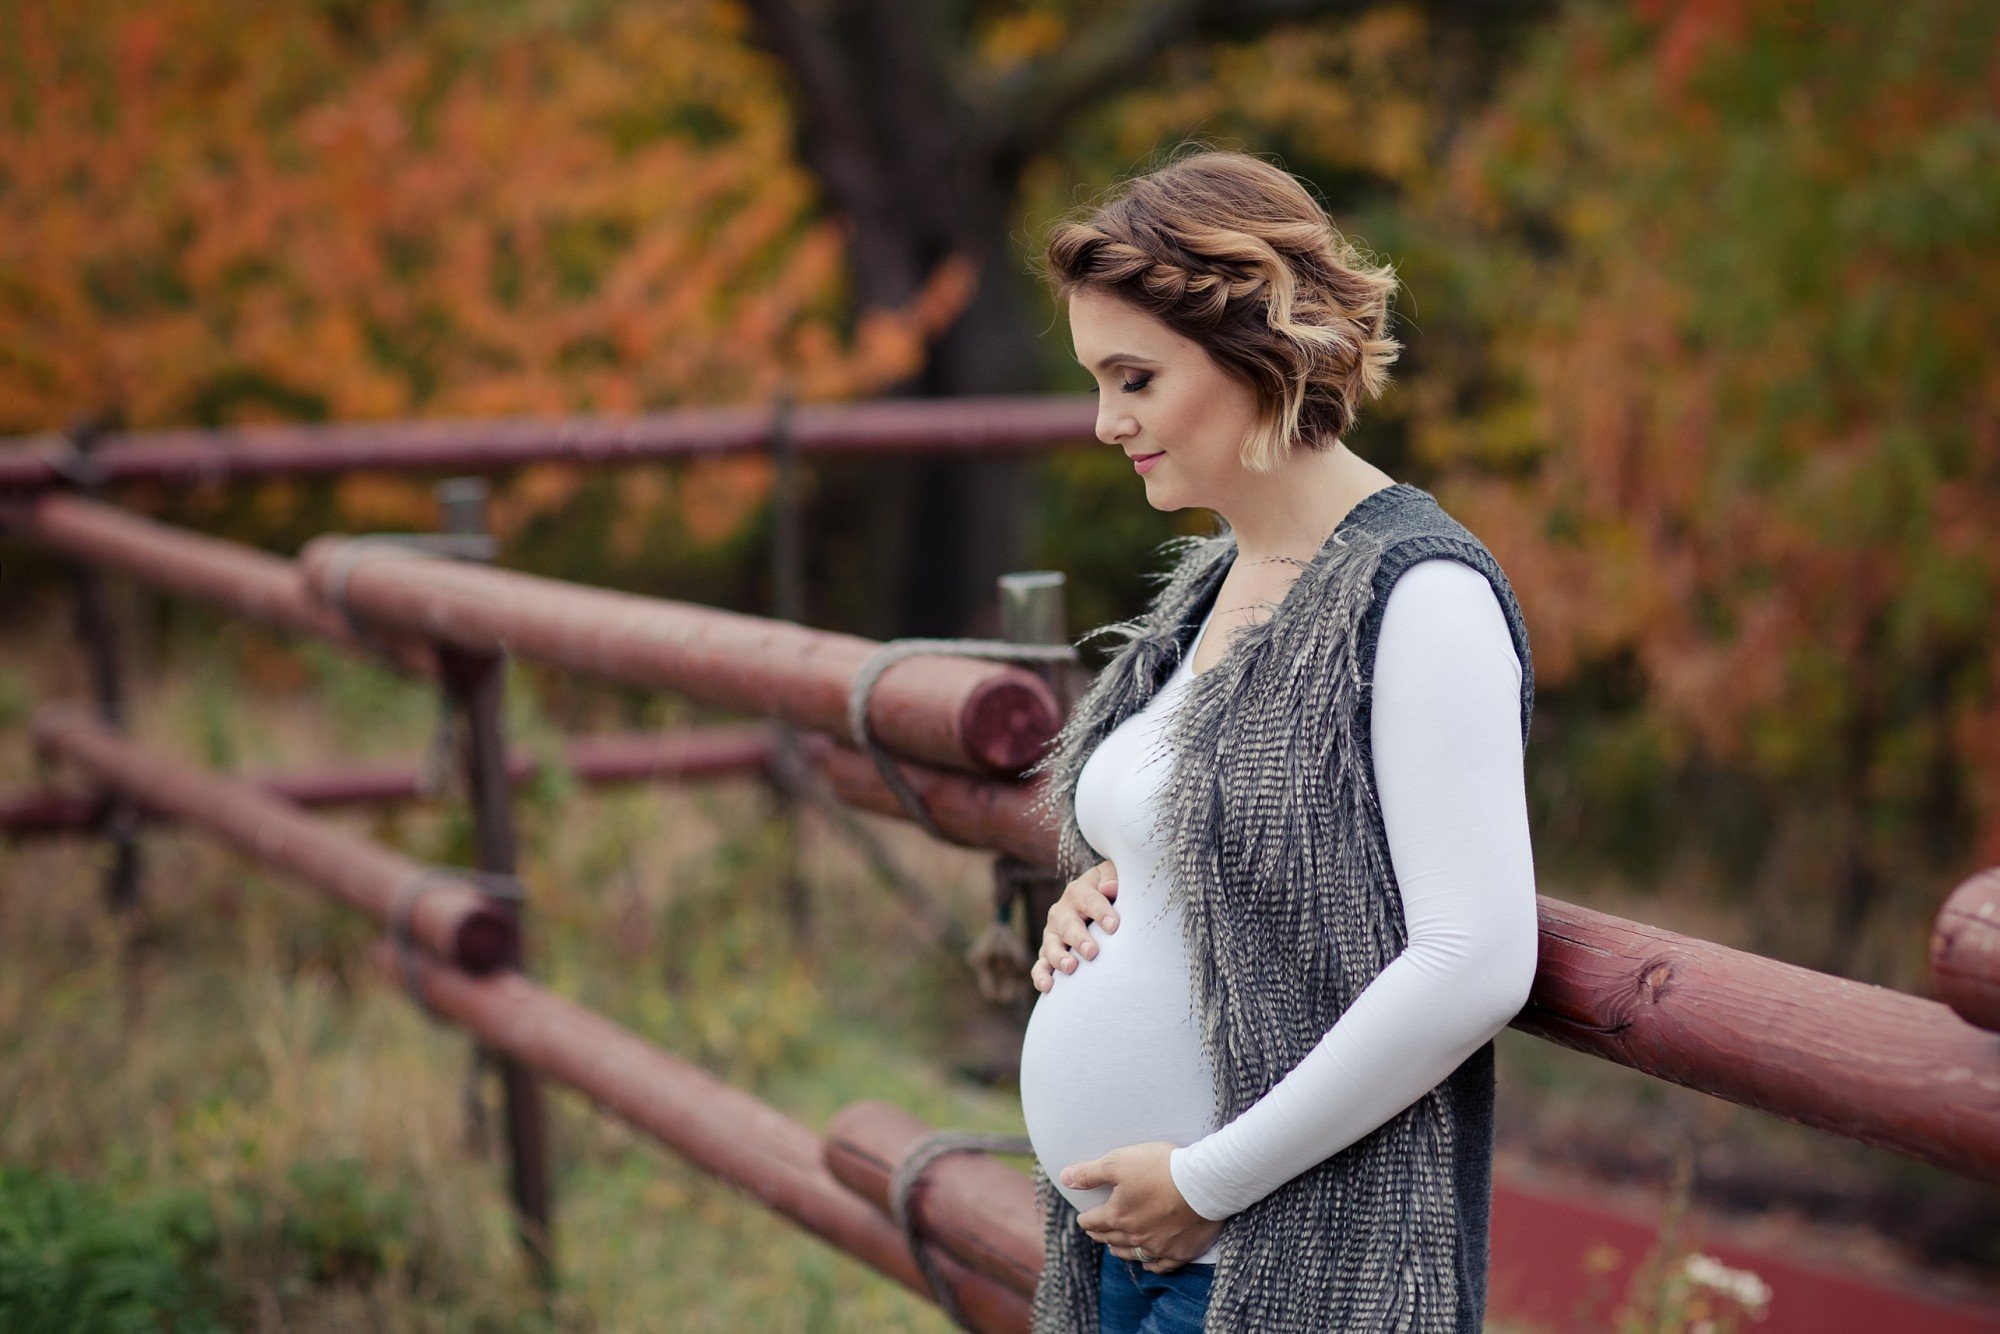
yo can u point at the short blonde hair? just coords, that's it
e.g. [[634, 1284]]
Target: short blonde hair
[[1233, 253]]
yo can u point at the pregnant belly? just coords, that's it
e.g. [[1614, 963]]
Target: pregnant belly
[[1112, 1057]]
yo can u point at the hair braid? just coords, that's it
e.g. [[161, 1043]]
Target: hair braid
[[1233, 253]]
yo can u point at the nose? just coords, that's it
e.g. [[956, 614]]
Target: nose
[[1113, 424]]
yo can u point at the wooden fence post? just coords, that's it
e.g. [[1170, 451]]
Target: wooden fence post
[[475, 684], [119, 818]]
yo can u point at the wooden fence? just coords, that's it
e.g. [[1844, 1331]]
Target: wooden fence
[[951, 736]]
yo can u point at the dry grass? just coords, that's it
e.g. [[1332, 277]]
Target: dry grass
[[237, 1032]]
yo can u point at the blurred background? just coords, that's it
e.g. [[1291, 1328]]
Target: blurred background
[[1700, 308]]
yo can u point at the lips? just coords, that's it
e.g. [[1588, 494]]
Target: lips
[[1143, 463]]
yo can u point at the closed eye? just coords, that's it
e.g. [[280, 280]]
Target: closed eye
[[1130, 386]]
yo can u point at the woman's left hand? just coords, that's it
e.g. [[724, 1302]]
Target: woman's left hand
[[1145, 1208]]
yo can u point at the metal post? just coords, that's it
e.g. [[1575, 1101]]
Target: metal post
[[788, 604], [475, 684], [462, 506], [96, 631], [1032, 611]]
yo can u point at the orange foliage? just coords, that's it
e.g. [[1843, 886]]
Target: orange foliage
[[217, 214], [718, 494]]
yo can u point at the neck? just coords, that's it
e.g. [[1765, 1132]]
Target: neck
[[1292, 511]]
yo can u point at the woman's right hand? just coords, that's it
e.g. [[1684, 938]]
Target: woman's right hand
[[1084, 900]]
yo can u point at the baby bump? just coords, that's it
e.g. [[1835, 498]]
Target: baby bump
[[1112, 1057]]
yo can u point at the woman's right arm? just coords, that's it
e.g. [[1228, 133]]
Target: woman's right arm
[[1084, 900]]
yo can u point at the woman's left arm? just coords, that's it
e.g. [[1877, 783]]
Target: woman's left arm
[[1446, 734]]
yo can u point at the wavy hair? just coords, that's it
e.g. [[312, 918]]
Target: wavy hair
[[1234, 254]]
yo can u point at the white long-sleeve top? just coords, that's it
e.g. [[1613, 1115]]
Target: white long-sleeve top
[[1446, 735], [1112, 1056]]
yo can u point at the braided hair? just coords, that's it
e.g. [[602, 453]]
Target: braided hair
[[1234, 254]]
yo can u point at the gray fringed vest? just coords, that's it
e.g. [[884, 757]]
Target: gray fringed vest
[[1280, 870]]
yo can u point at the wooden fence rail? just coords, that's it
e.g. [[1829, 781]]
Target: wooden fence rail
[[972, 426], [979, 716], [715, 751], [453, 920]]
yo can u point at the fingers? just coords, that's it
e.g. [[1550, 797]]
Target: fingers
[[1126, 1247], [1055, 953], [1091, 893], [1089, 905], [1053, 958], [1057, 940], [1066, 938], [1105, 879]]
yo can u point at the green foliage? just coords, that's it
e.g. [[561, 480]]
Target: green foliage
[[1720, 289], [213, 715], [72, 1258], [16, 701], [345, 1225], [365, 699]]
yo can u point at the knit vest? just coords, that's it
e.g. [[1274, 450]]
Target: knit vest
[[1278, 863]]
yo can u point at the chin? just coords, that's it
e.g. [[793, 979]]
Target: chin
[[1163, 495]]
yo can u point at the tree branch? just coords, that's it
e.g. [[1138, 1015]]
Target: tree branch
[[1023, 112]]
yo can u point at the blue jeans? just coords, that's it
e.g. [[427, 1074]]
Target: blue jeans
[[1132, 1299]]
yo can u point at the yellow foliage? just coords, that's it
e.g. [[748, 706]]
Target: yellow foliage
[[374, 502]]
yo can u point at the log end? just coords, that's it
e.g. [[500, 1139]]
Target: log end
[[487, 939], [1965, 950], [1008, 721]]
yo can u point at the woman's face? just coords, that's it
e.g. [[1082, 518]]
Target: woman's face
[[1161, 393]]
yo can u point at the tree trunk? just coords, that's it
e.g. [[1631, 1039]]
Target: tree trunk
[[921, 150]]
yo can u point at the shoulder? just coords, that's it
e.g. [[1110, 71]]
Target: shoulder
[[1443, 607], [1411, 530], [1455, 590]]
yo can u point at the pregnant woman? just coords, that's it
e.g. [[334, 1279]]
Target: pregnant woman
[[1259, 1078]]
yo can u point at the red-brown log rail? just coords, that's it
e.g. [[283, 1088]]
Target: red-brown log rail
[[971, 1206], [973, 812], [238, 578], [719, 1129], [1861, 1061], [717, 750], [960, 713], [972, 425], [1965, 950], [451, 919]]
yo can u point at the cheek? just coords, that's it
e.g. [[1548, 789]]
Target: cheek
[[1200, 425]]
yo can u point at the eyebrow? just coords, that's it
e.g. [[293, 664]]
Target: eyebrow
[[1106, 362]]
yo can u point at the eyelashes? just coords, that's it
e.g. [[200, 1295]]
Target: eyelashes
[[1130, 386]]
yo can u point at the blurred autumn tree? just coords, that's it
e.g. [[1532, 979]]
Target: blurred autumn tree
[[371, 208], [348, 210], [1714, 292]]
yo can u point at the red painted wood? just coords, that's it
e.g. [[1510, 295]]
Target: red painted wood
[[971, 426], [1542, 1274]]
